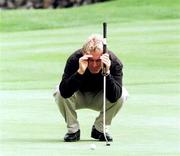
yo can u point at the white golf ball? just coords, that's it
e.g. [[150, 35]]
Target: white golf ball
[[93, 147]]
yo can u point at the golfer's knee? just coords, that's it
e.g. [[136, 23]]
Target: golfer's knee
[[124, 95], [118, 103], [57, 95]]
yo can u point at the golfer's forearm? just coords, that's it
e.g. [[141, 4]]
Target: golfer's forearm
[[70, 85], [113, 89]]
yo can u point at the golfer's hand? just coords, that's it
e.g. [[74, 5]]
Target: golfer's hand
[[106, 61], [83, 64]]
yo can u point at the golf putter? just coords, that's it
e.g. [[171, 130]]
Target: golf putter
[[104, 83]]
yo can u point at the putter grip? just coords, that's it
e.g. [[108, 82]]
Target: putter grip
[[104, 45], [104, 37]]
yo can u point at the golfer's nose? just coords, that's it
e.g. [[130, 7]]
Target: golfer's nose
[[94, 63]]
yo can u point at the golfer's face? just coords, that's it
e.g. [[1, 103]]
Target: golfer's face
[[94, 63]]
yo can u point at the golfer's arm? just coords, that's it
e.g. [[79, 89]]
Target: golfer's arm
[[70, 85], [114, 83], [71, 79], [113, 88]]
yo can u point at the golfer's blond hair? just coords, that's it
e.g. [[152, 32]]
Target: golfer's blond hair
[[93, 43]]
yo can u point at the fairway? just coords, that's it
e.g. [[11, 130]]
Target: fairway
[[32, 60]]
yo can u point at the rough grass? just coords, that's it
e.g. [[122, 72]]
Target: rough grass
[[118, 11]]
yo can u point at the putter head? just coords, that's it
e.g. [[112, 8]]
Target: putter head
[[108, 144]]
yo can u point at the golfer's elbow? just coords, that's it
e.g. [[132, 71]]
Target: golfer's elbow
[[114, 97], [64, 92], [64, 95]]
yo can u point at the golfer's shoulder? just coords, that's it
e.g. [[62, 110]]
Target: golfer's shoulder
[[114, 59], [74, 57]]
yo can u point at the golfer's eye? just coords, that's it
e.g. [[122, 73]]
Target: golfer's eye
[[92, 61], [98, 61]]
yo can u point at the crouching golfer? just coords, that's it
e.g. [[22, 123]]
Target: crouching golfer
[[82, 87]]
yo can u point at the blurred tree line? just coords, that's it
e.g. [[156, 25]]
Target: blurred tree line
[[37, 4]]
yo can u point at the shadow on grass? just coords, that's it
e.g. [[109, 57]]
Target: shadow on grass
[[40, 140], [32, 140]]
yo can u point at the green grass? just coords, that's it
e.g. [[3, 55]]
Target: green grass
[[34, 46], [121, 11]]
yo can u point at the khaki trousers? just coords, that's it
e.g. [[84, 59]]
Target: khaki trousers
[[88, 100]]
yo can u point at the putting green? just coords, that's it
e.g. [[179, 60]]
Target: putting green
[[31, 65]]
